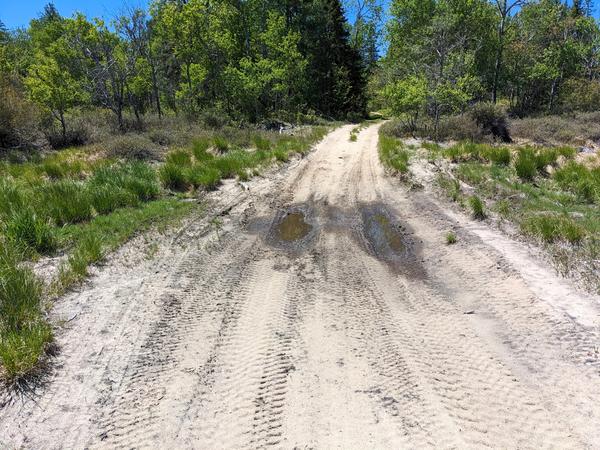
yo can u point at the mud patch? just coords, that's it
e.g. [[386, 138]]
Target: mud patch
[[293, 228], [391, 240]]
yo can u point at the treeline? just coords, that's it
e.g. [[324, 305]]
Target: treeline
[[529, 56], [242, 59]]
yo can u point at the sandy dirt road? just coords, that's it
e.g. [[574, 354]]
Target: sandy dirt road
[[325, 312]]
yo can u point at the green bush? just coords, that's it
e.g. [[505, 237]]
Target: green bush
[[200, 149], [492, 119]]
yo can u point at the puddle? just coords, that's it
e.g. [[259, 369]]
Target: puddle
[[384, 236], [391, 233], [390, 240], [293, 227]]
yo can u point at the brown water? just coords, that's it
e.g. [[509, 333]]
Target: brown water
[[392, 234], [293, 227]]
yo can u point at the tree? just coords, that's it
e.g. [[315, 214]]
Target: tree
[[504, 10], [53, 87]]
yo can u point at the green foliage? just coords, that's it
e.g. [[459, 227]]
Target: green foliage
[[477, 207], [451, 238], [393, 154], [25, 229], [551, 228], [24, 335], [580, 180], [173, 177], [526, 164], [66, 201]]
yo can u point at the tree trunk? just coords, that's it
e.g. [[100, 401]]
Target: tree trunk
[[63, 126]]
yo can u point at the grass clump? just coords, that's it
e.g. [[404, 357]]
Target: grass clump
[[580, 180], [477, 207], [500, 156], [451, 238], [173, 177], [451, 186], [24, 335], [526, 164], [67, 201], [552, 228], [393, 154], [27, 230], [207, 178], [220, 144], [132, 147]]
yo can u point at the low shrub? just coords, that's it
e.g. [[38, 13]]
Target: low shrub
[[132, 147], [492, 119]]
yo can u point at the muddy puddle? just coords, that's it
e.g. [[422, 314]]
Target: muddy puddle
[[293, 227], [390, 240]]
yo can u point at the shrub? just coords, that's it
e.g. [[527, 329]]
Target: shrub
[[460, 128], [492, 119], [477, 208], [160, 137], [132, 147], [77, 134], [19, 119], [552, 228], [66, 201], [526, 164], [173, 177]]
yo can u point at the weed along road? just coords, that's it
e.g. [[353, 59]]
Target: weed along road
[[325, 311]]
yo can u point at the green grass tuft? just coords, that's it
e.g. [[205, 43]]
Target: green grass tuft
[[477, 208]]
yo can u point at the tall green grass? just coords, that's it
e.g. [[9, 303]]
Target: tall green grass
[[24, 335], [393, 154]]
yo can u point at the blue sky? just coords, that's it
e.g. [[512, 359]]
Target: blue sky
[[18, 13]]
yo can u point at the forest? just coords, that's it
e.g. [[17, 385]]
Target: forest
[[251, 61], [243, 61]]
